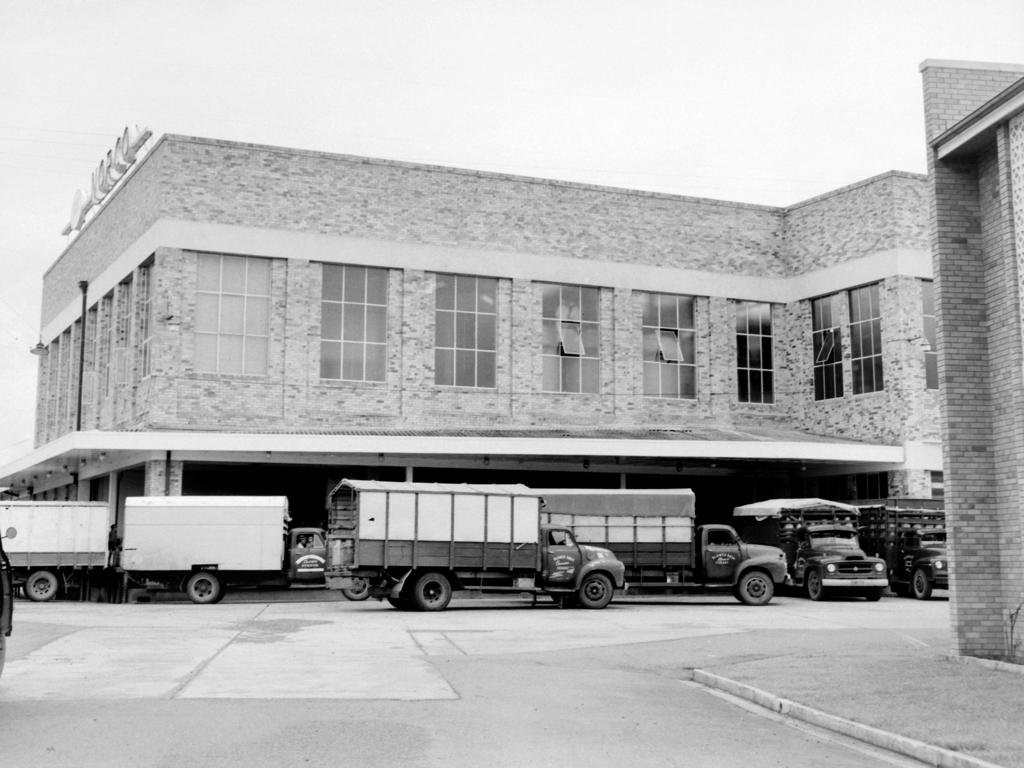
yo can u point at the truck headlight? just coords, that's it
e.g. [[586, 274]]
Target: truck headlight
[[939, 565], [831, 567], [879, 567]]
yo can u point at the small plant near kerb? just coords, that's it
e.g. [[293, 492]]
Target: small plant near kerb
[[1013, 642]]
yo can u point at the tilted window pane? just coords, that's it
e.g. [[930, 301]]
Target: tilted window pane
[[572, 343]]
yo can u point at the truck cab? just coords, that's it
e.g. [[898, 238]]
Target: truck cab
[[751, 570], [921, 562], [6, 596], [828, 556], [306, 554]]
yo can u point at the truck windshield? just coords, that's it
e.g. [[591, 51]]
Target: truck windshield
[[938, 537], [837, 538]]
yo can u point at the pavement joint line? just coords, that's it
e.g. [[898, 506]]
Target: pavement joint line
[[925, 753]]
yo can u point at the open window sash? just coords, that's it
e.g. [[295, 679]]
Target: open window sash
[[668, 344], [571, 338]]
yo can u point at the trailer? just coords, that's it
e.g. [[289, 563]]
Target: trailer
[[62, 546], [910, 535], [413, 544], [653, 533], [819, 537], [204, 545]]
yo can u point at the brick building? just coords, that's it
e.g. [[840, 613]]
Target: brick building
[[975, 128], [259, 319]]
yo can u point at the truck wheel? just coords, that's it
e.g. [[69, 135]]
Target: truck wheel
[[431, 592], [203, 588], [815, 590], [41, 586], [595, 591], [399, 603], [920, 587], [755, 588], [874, 594], [359, 592]]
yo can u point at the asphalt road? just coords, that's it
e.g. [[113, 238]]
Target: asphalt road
[[486, 683]]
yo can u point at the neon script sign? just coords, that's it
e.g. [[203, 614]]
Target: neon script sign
[[110, 171]]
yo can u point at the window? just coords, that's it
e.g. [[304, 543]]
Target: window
[[938, 485], [827, 346], [464, 337], [122, 332], [232, 314], [146, 321], [872, 485], [353, 323], [866, 340], [754, 353], [571, 338], [669, 350], [105, 338], [931, 354]]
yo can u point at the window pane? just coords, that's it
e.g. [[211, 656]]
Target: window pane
[[465, 330], [670, 380], [207, 312], [208, 278], [552, 370], [257, 316], [465, 294], [330, 360], [355, 284], [687, 346], [650, 309], [487, 290], [206, 352], [229, 358], [650, 345], [550, 300], [330, 320], [377, 286], [233, 274], [258, 279], [231, 317], [929, 332], [669, 312], [353, 322], [743, 386], [376, 362], [570, 374], [444, 335], [931, 371], [465, 368], [755, 387], [591, 303], [879, 380], [485, 369], [668, 342], [445, 293], [741, 351], [754, 353], [376, 324], [485, 333], [688, 382], [572, 344], [550, 339], [590, 339], [444, 366], [352, 361], [767, 387], [256, 356], [685, 312], [766, 354], [333, 281]]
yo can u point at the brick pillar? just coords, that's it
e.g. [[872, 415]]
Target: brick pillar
[[164, 477]]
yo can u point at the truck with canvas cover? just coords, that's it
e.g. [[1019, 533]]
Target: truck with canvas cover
[[910, 535], [819, 538], [652, 532], [415, 543], [62, 546], [6, 593], [203, 545]]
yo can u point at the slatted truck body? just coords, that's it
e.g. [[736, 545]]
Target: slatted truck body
[[414, 543], [910, 535], [652, 532]]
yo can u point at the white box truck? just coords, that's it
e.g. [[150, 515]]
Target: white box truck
[[61, 545], [204, 544]]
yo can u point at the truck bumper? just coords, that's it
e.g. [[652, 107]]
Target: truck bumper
[[855, 583]]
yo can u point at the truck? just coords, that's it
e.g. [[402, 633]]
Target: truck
[[63, 546], [910, 535], [819, 537], [652, 532], [204, 545], [414, 544], [6, 595]]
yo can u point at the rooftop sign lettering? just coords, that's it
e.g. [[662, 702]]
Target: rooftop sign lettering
[[110, 170]]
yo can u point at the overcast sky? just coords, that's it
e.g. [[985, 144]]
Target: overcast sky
[[755, 101]]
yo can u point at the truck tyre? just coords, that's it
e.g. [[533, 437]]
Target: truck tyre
[[815, 589], [755, 588], [358, 593], [431, 592], [41, 586], [874, 594], [399, 603], [595, 591], [920, 586], [203, 587]]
